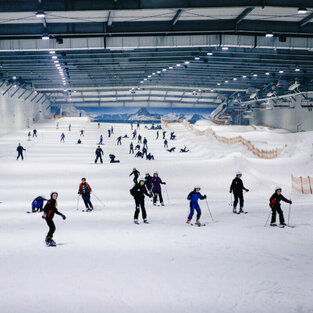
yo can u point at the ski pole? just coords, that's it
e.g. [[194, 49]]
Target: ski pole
[[267, 219], [167, 194], [98, 199], [209, 209], [289, 214], [77, 201]]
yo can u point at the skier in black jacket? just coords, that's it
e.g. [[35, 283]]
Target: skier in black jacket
[[275, 206], [49, 210], [99, 153], [237, 187], [148, 183], [136, 175], [20, 150], [84, 190], [138, 192]]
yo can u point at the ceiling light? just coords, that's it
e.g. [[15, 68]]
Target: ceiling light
[[199, 89], [269, 35], [209, 53], [145, 79], [197, 58], [235, 78], [158, 72], [54, 57], [297, 70], [178, 65], [187, 62], [281, 71], [226, 81], [212, 90], [14, 77], [267, 73], [141, 82], [244, 76], [45, 37], [40, 14], [225, 48], [302, 11], [170, 68], [56, 62], [14, 85], [75, 90], [255, 75], [52, 52], [149, 76], [164, 70], [153, 73], [218, 84]]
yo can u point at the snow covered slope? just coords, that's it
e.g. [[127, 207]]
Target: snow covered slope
[[105, 263]]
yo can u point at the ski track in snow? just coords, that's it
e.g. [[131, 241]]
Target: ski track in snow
[[105, 263]]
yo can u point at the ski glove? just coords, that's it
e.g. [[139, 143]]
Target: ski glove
[[204, 196], [64, 217], [290, 202], [247, 190], [44, 215]]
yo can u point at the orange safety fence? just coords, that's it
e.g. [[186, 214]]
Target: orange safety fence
[[302, 185], [260, 153]]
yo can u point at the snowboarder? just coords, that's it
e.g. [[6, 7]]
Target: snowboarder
[[157, 135], [139, 139], [131, 148], [145, 143], [37, 204], [20, 150], [84, 190], [109, 133], [194, 196], [150, 157], [184, 150], [101, 140], [35, 133], [49, 210], [172, 149], [148, 183], [62, 137], [119, 140], [82, 133], [275, 206], [112, 130], [138, 192], [112, 159], [237, 187], [69, 127], [134, 134], [164, 132], [156, 188], [99, 153], [165, 143], [136, 175]]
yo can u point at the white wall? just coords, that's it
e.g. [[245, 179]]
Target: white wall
[[17, 113], [296, 119]]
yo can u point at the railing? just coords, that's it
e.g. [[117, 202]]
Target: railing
[[302, 185]]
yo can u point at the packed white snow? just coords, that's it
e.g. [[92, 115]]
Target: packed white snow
[[106, 263]]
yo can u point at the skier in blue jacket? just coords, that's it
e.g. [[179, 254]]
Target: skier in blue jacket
[[194, 196]]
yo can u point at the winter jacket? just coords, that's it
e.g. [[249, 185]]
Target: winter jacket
[[50, 210], [135, 173], [139, 192], [276, 198], [99, 151], [84, 188], [195, 196], [156, 183], [148, 182], [237, 186], [20, 149]]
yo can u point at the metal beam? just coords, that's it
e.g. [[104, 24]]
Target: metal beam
[[176, 16], [242, 15], [306, 20], [110, 18]]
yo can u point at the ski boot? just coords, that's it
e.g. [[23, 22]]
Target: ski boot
[[198, 223], [154, 204], [136, 222], [234, 210], [273, 224], [188, 221], [47, 240], [240, 210], [162, 203], [145, 221], [51, 243]]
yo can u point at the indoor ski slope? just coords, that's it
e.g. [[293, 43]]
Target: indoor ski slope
[[105, 263]]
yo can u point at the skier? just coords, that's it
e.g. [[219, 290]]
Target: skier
[[139, 154], [164, 132], [35, 133], [125, 136], [137, 147], [98, 125], [172, 149], [69, 127], [194, 196], [84, 190], [99, 153], [20, 150], [172, 136], [275, 206], [37, 204], [149, 157], [144, 152], [112, 159], [157, 135], [136, 175], [82, 133], [156, 188], [145, 142], [184, 150], [101, 140], [148, 183], [62, 137], [138, 126], [49, 211], [112, 130], [109, 133], [134, 134], [29, 135], [57, 125], [138, 192], [131, 148], [79, 141], [236, 187], [119, 140], [139, 139], [165, 143]]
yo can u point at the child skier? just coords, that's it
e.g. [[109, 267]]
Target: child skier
[[49, 211], [237, 187], [156, 183], [84, 190], [138, 192], [275, 206], [194, 196]]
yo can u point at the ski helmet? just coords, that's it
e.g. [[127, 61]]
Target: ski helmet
[[147, 173], [278, 188], [156, 173], [83, 178], [238, 173], [197, 187], [141, 179]]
